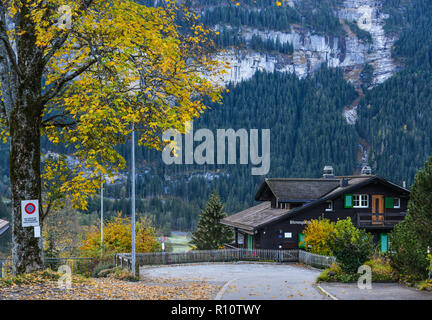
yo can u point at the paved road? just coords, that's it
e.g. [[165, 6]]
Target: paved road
[[249, 281], [379, 291]]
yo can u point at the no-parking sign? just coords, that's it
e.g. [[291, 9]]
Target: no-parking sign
[[30, 213]]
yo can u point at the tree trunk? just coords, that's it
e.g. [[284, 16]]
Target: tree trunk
[[25, 159], [25, 155]]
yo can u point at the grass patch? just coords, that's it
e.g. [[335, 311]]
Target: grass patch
[[424, 285], [119, 274]]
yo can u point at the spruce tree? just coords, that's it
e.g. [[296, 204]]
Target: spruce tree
[[210, 233], [410, 238]]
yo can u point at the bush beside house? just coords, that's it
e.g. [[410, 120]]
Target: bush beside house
[[352, 248]]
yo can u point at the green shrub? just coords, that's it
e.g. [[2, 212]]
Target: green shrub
[[352, 247], [381, 272], [330, 274]]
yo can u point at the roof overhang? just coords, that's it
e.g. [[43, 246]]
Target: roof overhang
[[4, 226], [264, 192]]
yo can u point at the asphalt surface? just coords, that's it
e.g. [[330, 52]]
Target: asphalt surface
[[271, 281], [248, 281], [379, 291]]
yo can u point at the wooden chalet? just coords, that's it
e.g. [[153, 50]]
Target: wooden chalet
[[373, 203]]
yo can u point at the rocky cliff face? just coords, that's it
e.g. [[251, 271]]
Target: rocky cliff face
[[311, 50]]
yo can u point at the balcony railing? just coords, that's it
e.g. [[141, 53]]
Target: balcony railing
[[379, 220]]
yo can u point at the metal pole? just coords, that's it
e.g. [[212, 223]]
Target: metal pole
[[133, 202], [102, 219], [429, 273]]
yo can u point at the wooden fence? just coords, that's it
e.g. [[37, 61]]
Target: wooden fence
[[225, 255], [315, 260]]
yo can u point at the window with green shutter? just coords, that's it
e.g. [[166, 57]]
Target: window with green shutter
[[389, 203], [348, 201]]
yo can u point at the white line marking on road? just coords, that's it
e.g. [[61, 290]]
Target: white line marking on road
[[224, 288], [326, 292]]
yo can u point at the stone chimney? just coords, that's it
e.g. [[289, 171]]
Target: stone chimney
[[328, 172], [366, 171]]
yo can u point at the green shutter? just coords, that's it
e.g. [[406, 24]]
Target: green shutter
[[348, 201], [384, 242], [301, 237], [250, 242], [389, 203]]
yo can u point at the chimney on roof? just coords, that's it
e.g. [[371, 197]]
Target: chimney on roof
[[328, 172], [404, 184], [366, 171]]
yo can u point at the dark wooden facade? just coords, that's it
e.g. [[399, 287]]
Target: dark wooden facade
[[281, 224]]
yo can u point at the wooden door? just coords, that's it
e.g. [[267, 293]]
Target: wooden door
[[377, 209]]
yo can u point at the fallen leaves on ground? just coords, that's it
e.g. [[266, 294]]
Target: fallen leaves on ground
[[110, 289]]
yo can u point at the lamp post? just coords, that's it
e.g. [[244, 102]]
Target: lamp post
[[429, 268], [133, 201], [102, 219]]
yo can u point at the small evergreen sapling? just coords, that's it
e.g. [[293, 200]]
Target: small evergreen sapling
[[210, 233]]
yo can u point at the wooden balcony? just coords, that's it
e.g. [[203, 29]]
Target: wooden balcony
[[371, 220]]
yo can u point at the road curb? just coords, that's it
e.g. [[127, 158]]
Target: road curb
[[326, 292]]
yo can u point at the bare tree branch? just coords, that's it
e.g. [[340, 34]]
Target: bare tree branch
[[5, 41]]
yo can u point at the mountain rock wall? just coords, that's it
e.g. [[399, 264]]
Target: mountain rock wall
[[312, 50]]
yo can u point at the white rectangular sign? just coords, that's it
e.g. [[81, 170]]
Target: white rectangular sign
[[37, 232], [30, 213]]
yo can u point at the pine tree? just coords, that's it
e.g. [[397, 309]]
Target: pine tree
[[210, 233], [411, 237]]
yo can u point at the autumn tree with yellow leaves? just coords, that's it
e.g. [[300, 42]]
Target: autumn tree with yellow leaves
[[83, 73], [118, 238], [317, 236]]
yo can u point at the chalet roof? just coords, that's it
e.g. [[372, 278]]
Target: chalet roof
[[253, 217], [295, 189], [262, 214], [4, 225]]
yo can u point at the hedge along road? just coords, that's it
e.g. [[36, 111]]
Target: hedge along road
[[249, 281]]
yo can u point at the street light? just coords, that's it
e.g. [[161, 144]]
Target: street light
[[133, 201], [102, 219]]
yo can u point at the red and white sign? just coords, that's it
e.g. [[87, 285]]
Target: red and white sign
[[30, 213], [162, 239]]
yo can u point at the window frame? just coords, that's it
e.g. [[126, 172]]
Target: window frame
[[329, 208], [398, 201], [360, 200]]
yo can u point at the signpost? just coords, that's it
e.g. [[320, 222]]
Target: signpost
[[30, 213]]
